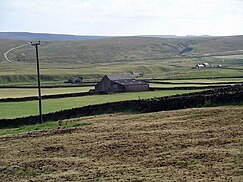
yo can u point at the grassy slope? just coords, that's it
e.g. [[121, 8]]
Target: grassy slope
[[91, 59], [20, 109], [187, 145], [119, 49], [102, 50], [219, 44], [13, 74]]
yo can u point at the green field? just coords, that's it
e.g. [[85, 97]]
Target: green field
[[25, 74], [16, 74], [35, 127], [240, 56], [20, 109], [202, 81], [27, 92], [158, 85]]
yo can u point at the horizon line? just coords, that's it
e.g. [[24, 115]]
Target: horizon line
[[123, 35]]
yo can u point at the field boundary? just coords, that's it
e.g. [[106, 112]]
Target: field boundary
[[226, 95], [189, 83], [84, 84], [195, 78], [54, 96], [82, 94]]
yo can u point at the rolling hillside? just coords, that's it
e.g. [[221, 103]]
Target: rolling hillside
[[120, 49], [152, 57], [96, 51]]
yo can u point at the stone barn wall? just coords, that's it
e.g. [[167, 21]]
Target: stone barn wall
[[135, 88]]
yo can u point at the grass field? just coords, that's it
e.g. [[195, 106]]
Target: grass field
[[176, 68], [151, 57], [20, 109], [202, 81], [26, 92], [231, 56], [203, 144], [11, 73], [158, 85], [207, 73]]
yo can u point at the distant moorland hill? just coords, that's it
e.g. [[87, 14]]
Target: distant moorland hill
[[64, 37], [43, 36], [116, 49]]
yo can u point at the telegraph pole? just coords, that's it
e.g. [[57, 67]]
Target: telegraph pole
[[38, 77]]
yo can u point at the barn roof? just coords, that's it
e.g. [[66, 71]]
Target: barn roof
[[130, 82], [120, 76]]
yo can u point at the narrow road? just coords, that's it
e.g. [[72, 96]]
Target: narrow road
[[6, 53]]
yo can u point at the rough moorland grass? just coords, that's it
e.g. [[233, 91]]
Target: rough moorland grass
[[43, 126], [119, 49], [20, 109]]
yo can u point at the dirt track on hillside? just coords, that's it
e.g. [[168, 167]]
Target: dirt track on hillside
[[6, 53], [187, 145]]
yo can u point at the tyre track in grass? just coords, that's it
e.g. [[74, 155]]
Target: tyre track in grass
[[6, 53]]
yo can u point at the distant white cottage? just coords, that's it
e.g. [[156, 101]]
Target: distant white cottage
[[203, 65]]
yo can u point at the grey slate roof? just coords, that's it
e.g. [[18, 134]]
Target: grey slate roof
[[130, 82], [120, 76]]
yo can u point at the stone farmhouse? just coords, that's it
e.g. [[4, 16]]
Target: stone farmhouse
[[121, 83]]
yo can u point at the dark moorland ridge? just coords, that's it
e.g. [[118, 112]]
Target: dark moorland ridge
[[44, 36], [64, 37]]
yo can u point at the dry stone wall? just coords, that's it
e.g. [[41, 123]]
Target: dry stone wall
[[226, 95]]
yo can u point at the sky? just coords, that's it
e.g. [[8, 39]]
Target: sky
[[123, 17]]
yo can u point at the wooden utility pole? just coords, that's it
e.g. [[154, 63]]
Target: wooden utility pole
[[38, 77]]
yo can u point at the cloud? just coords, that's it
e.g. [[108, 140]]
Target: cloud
[[123, 17]]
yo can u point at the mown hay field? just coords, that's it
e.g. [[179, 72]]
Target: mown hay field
[[200, 144]]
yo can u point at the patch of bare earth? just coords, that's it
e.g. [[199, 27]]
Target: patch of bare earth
[[203, 144]]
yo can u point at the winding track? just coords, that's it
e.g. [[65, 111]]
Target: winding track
[[6, 53]]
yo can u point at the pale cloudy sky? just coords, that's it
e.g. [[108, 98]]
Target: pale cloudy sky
[[123, 17]]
